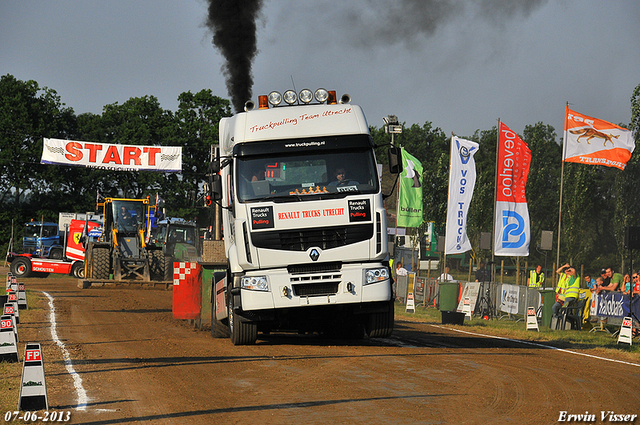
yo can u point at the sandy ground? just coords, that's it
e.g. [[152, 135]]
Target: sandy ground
[[139, 365]]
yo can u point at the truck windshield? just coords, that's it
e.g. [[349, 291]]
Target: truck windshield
[[325, 174], [128, 215]]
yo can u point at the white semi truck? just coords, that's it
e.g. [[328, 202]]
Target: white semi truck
[[304, 226]]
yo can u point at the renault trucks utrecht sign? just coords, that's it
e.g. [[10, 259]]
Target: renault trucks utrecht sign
[[111, 156]]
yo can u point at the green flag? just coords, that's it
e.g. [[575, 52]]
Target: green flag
[[410, 197]]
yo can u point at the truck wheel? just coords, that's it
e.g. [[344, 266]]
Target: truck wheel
[[21, 267], [55, 254], [219, 329], [101, 263], [380, 325], [77, 270], [241, 332]]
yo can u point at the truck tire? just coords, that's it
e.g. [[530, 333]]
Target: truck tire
[[156, 265], [101, 263], [241, 331], [380, 325], [77, 270], [21, 267], [55, 254], [219, 329]]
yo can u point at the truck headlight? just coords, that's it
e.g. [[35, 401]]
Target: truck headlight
[[255, 283], [376, 275]]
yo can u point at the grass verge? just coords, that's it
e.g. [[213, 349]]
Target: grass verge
[[600, 342]]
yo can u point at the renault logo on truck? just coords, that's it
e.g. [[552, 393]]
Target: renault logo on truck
[[314, 254]]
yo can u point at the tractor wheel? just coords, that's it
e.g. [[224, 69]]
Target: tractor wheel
[[101, 263], [168, 268], [156, 265], [21, 267]]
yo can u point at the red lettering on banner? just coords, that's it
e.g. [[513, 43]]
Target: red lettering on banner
[[93, 151], [75, 154], [152, 152], [112, 155], [131, 153], [310, 213], [32, 355]]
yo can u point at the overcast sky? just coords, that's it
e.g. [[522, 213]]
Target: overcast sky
[[459, 64]]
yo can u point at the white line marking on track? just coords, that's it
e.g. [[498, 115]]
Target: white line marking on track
[[77, 380], [537, 344]]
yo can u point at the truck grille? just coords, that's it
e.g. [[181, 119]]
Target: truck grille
[[315, 289], [324, 238]]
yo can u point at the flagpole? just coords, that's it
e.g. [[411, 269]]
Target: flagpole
[[495, 200], [564, 151]]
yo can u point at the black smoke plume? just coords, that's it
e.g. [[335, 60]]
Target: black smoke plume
[[233, 23]]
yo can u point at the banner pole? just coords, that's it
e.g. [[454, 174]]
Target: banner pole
[[564, 151], [495, 200]]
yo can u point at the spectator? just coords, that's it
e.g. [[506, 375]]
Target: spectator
[[536, 277], [615, 281], [401, 271], [590, 282], [445, 277], [626, 284], [568, 288], [635, 281], [482, 274]]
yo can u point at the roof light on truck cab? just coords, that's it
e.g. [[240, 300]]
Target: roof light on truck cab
[[321, 95], [290, 97], [331, 100], [306, 96], [275, 98], [263, 102]]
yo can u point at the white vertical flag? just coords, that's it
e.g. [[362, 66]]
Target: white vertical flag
[[462, 180]]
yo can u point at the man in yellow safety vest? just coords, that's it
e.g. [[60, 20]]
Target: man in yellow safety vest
[[568, 287], [536, 277]]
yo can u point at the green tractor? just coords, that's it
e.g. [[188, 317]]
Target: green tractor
[[179, 241]]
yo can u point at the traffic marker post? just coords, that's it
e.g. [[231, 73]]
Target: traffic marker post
[[625, 334], [9, 274], [8, 340], [33, 387], [22, 297], [9, 310], [12, 298], [532, 319], [466, 307]]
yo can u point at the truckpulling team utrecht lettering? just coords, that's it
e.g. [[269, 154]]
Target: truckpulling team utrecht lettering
[[294, 121]]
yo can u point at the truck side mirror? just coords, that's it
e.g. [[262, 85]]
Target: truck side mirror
[[216, 187], [395, 160], [214, 166]]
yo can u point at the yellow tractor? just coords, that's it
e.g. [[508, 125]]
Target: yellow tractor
[[123, 251]]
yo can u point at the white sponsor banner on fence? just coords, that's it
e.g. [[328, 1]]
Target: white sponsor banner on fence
[[112, 157], [509, 298]]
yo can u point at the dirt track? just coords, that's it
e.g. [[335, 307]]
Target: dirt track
[[139, 365]]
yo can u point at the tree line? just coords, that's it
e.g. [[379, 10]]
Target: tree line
[[598, 202]]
